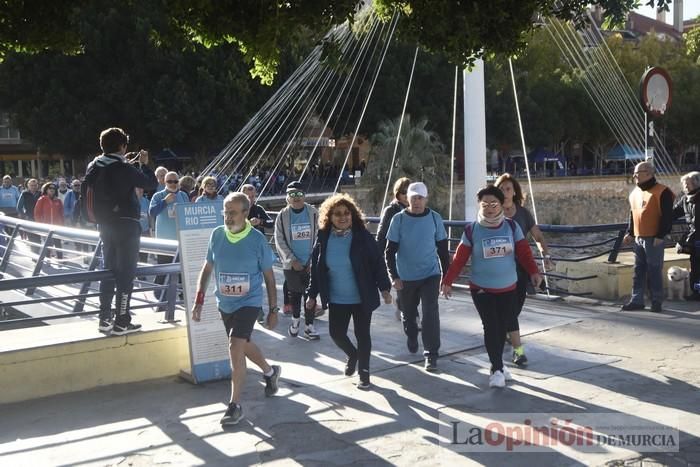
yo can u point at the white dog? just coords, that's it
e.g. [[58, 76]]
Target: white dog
[[678, 285]]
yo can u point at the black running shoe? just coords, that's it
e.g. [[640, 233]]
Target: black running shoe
[[233, 415], [123, 330], [350, 366], [412, 344], [105, 325], [431, 363], [271, 381], [632, 306]]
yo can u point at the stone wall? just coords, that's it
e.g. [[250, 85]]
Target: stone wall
[[566, 200]]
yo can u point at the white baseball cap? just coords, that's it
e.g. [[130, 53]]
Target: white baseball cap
[[417, 189]]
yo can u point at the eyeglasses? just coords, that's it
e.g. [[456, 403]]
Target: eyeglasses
[[76, 185], [171, 182], [296, 194], [230, 213], [636, 174], [492, 205]]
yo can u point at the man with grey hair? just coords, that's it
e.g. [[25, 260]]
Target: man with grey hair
[[160, 176], [651, 219], [687, 207], [241, 260], [256, 215]]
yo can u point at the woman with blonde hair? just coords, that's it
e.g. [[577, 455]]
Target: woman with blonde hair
[[348, 270]]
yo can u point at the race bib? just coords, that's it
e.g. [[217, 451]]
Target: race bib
[[497, 247], [7, 195], [234, 284], [301, 231]]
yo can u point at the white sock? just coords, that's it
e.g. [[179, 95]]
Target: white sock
[[295, 322], [270, 373]]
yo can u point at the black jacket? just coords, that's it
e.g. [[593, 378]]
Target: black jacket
[[367, 264], [687, 207], [25, 204], [122, 178], [387, 214], [258, 212]]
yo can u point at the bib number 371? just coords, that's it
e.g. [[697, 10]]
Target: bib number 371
[[497, 247]]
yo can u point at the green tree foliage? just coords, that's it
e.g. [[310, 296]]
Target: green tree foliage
[[459, 30], [420, 156], [192, 98]]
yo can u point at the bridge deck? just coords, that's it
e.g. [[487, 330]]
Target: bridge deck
[[585, 357]]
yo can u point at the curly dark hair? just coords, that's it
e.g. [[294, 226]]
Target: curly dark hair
[[340, 199], [518, 197]]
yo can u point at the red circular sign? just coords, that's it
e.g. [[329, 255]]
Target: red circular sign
[[655, 91]]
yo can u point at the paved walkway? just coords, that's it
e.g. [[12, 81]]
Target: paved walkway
[[586, 358]]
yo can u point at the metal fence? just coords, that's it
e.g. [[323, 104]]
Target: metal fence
[[33, 260]]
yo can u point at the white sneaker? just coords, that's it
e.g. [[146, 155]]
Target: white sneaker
[[506, 374], [310, 332], [497, 380]]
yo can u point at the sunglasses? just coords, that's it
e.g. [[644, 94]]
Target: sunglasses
[[493, 205], [296, 194], [171, 182]]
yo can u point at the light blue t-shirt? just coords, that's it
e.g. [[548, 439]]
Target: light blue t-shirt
[[165, 213], [9, 197], [343, 286], [143, 218], [300, 229], [416, 257], [238, 268], [493, 255], [204, 198]]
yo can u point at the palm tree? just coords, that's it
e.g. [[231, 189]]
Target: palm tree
[[419, 156]]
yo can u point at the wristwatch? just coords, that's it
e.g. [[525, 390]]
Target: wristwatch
[[274, 309]]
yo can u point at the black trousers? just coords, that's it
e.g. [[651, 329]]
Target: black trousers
[[120, 246], [520, 294], [423, 291], [695, 270], [496, 311], [297, 282], [338, 321]]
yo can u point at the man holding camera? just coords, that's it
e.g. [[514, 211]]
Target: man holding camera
[[115, 177]]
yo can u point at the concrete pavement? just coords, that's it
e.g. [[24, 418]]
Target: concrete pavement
[[586, 358]]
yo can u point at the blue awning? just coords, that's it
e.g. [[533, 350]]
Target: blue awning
[[622, 152]]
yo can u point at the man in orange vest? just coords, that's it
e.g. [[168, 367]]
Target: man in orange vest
[[651, 218]]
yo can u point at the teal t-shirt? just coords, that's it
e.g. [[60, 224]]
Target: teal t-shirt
[[238, 268], [9, 197], [165, 219], [300, 229], [416, 257], [343, 286], [493, 255]]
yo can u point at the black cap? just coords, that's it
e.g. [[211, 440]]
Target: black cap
[[295, 186]]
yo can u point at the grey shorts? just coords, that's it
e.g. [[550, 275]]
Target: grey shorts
[[240, 323]]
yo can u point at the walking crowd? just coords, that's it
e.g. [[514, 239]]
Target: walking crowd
[[329, 258]]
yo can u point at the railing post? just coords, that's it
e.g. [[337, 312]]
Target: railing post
[[80, 303], [8, 249], [171, 292], [40, 260], [612, 258]]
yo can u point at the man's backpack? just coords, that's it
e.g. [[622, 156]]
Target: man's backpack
[[97, 202]]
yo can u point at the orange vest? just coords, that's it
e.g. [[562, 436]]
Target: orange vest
[[646, 210]]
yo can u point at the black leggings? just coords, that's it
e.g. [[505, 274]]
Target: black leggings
[[338, 321], [520, 294], [496, 311]]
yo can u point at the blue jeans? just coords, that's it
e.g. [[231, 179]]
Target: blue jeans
[[648, 264]]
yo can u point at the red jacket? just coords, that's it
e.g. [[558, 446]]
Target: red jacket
[[49, 211]]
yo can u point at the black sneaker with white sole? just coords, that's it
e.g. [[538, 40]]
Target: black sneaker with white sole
[[233, 415], [105, 325], [271, 381], [118, 330]]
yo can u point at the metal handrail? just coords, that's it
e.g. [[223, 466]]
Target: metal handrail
[[82, 277]]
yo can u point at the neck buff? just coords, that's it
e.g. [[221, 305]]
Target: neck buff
[[490, 221], [341, 233], [237, 237]]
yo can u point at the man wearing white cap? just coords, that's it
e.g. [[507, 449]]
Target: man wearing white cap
[[417, 256]]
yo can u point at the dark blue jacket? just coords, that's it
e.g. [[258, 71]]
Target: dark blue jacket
[[367, 264]]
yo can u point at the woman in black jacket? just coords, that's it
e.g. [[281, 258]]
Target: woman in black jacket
[[347, 270], [687, 207]]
